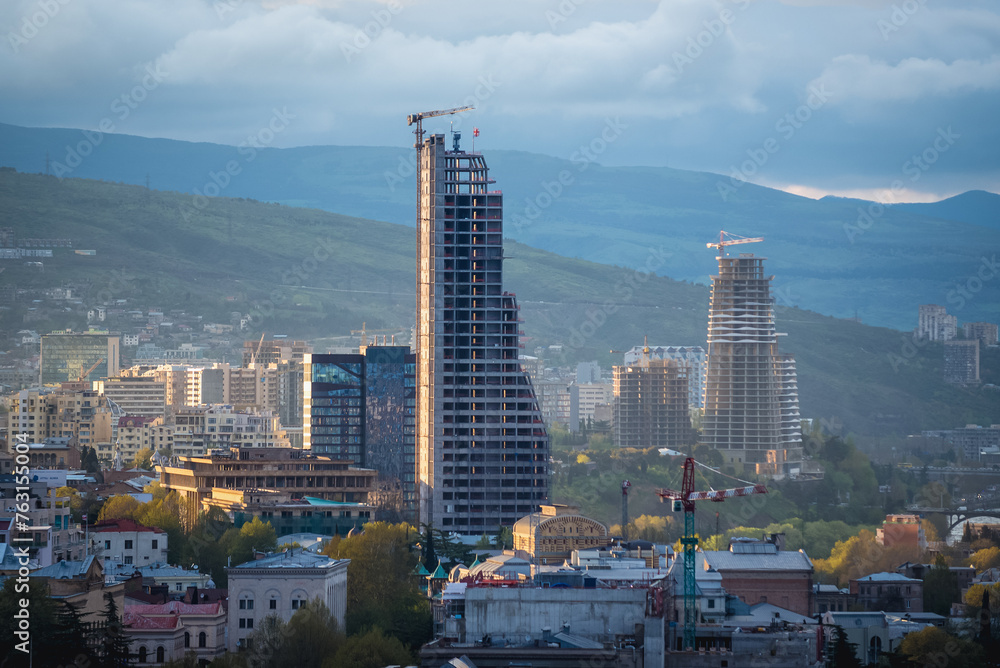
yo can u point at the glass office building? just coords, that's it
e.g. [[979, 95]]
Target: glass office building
[[66, 356], [361, 407]]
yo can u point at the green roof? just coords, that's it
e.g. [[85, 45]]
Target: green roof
[[439, 573], [312, 500], [420, 570]]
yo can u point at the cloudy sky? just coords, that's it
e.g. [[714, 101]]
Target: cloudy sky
[[812, 96]]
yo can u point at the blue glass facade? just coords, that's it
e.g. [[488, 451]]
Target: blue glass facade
[[362, 408]]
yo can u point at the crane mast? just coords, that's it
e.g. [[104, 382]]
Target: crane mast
[[685, 500]]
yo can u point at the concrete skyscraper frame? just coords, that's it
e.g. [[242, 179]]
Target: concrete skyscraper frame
[[482, 447]]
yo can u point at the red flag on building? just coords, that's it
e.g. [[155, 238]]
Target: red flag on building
[[475, 132]]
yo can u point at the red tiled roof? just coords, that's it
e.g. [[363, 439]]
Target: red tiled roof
[[134, 621], [136, 420], [175, 608], [122, 525]]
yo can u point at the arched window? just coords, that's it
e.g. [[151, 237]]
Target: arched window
[[159, 654], [187, 639], [142, 654], [202, 639]]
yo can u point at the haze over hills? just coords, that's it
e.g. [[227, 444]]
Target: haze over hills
[[310, 273], [836, 256]]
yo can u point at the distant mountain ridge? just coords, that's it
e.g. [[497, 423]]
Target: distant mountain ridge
[[832, 256], [313, 274]]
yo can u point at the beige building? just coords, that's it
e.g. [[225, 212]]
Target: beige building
[[550, 536], [135, 395], [280, 469], [80, 414]]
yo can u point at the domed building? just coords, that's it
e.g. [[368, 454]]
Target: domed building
[[550, 536]]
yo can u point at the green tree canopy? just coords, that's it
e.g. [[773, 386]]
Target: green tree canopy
[[143, 459], [985, 559], [121, 506], [381, 589], [932, 646], [373, 649]]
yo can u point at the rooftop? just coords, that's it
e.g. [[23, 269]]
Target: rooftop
[[175, 608], [65, 570], [291, 558], [122, 524], [887, 577], [776, 560]]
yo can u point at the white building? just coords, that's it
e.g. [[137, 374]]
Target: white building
[[279, 584], [129, 543], [934, 323]]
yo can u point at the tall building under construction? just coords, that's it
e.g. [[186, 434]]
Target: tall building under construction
[[650, 408], [751, 393], [482, 447]]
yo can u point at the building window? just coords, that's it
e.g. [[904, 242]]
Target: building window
[[202, 639], [142, 655], [274, 604], [295, 604], [155, 544], [907, 604], [249, 622], [187, 639], [128, 559], [128, 545], [159, 655], [177, 586], [711, 603], [107, 545], [243, 622]]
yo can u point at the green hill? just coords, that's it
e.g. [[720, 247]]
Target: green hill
[[309, 273], [836, 256]]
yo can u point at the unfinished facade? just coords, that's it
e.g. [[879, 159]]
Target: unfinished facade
[[750, 413], [482, 447], [650, 408]]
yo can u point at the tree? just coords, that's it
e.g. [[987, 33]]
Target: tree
[[381, 590], [844, 654], [42, 611], [373, 649], [203, 544], [862, 555], [121, 506], [114, 644], [312, 635], [70, 634], [985, 559], [932, 646], [266, 643], [974, 596], [143, 459], [940, 588], [429, 557], [163, 512]]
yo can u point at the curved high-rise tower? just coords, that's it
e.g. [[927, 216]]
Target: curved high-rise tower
[[751, 403], [482, 447]]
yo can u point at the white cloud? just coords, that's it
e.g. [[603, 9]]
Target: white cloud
[[857, 77]]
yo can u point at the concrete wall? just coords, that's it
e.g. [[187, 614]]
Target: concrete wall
[[598, 614]]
